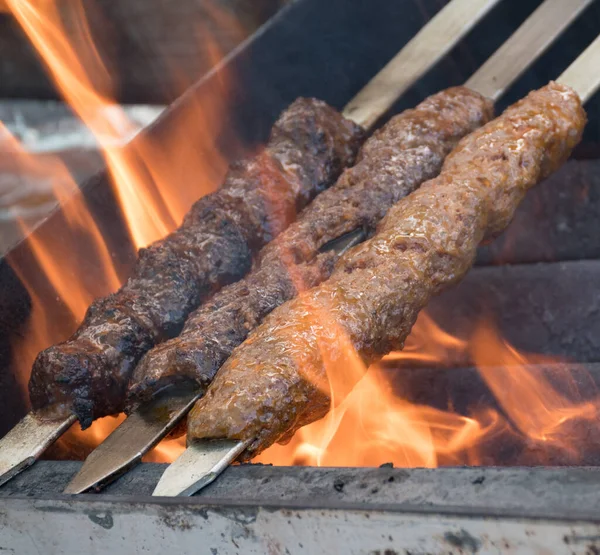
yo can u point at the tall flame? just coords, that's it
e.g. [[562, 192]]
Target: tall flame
[[155, 183], [152, 180], [56, 259]]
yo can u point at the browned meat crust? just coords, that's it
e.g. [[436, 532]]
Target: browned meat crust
[[409, 150], [309, 147], [276, 381]]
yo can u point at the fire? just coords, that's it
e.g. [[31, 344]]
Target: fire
[[376, 423], [524, 392], [57, 261], [373, 417], [156, 182], [429, 344], [373, 425]]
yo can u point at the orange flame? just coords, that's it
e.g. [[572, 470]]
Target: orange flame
[[156, 183], [519, 384], [56, 260], [374, 424], [429, 344]]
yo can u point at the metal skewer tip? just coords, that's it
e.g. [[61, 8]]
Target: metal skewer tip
[[199, 465], [22, 446], [130, 441]]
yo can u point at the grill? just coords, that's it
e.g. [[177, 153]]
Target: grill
[[538, 280]]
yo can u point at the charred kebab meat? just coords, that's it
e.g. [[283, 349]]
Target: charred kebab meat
[[277, 381], [87, 375], [409, 150]]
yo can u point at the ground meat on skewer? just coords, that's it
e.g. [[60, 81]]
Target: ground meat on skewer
[[277, 380], [309, 147], [409, 150]]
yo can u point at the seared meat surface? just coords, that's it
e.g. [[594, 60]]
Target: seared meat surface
[[277, 381], [410, 149], [88, 374]]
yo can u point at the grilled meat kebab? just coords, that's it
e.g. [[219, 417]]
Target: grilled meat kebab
[[277, 380], [409, 150], [87, 375]]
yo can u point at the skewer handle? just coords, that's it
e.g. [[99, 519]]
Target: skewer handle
[[583, 74], [526, 44], [419, 55]]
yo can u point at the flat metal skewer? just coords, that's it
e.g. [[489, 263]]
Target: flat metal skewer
[[199, 465], [583, 74], [526, 44], [131, 440], [126, 445], [184, 477], [22, 446]]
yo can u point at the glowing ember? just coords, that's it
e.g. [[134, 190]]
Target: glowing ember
[[370, 421]]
